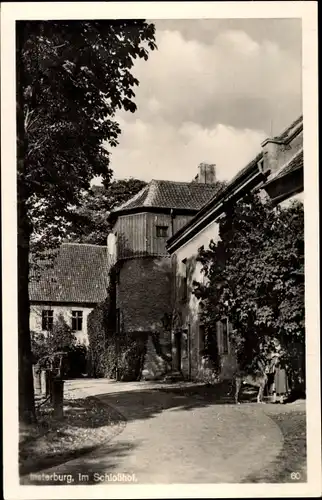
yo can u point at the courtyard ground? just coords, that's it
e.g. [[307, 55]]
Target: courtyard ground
[[186, 433]]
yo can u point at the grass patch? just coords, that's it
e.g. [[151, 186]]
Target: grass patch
[[292, 458], [86, 424]]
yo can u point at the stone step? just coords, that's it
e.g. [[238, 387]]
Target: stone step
[[173, 377]]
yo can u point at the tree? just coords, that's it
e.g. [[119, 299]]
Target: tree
[[255, 277], [96, 205], [72, 76]]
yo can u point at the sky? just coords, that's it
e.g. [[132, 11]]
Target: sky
[[212, 92]]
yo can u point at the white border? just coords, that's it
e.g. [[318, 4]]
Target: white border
[[153, 10]]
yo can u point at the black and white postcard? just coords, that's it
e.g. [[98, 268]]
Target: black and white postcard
[[160, 250]]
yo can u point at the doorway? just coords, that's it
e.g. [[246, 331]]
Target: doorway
[[178, 343]]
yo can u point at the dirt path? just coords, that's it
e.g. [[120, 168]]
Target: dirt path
[[172, 438]]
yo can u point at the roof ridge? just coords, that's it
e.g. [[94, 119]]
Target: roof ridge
[[184, 182], [83, 244], [152, 193], [133, 198], [290, 127]]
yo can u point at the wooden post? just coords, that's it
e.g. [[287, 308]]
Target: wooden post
[[50, 378], [58, 397]]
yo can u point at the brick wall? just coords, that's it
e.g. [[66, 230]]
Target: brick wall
[[144, 293], [144, 298]]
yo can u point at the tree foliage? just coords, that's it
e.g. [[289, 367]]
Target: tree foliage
[[254, 276], [60, 339], [93, 225], [97, 335], [72, 77]]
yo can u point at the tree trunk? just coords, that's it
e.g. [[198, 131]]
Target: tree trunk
[[26, 389], [26, 386]]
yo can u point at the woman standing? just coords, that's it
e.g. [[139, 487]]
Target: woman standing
[[281, 387]]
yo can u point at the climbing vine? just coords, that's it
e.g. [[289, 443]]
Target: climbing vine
[[114, 353], [255, 276]]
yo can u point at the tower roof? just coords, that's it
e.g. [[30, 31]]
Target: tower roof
[[161, 194]]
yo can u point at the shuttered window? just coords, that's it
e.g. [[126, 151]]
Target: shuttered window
[[223, 329]]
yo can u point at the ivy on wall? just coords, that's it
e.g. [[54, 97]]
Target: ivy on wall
[[255, 276], [113, 353]]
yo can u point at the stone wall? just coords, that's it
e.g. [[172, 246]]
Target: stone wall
[[186, 264]]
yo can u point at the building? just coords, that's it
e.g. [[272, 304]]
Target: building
[[153, 248], [277, 171], [72, 286], [283, 162], [137, 247]]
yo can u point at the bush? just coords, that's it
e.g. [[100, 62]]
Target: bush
[[97, 330], [39, 346], [207, 373], [113, 353], [60, 340], [126, 355]]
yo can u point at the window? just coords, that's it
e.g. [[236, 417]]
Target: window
[[202, 339], [162, 231], [184, 280], [47, 319], [77, 321], [224, 329]]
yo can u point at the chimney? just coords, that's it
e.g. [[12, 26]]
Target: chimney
[[272, 149], [206, 173]]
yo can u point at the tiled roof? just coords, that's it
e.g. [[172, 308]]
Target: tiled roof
[[220, 194], [224, 189], [78, 274], [169, 194], [246, 169], [294, 164]]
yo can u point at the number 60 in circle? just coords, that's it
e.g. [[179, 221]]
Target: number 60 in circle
[[295, 476]]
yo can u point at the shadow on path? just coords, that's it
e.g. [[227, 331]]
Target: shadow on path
[[89, 470], [146, 403]]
